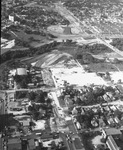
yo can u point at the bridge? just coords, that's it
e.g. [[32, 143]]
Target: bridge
[[82, 25]]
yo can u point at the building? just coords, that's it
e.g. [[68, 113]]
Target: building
[[11, 18], [114, 143], [111, 143], [114, 138], [110, 131], [21, 71], [14, 143]]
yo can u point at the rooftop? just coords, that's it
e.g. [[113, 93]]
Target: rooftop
[[112, 131]]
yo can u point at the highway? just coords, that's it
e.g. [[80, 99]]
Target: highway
[[76, 22], [116, 50]]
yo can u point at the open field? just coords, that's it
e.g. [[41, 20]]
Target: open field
[[74, 49], [31, 39]]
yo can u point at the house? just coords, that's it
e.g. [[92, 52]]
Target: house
[[116, 120], [111, 143], [110, 121], [101, 123]]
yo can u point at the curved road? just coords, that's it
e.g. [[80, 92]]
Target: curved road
[[76, 22]]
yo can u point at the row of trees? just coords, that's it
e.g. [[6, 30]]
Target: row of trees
[[22, 80], [39, 97], [118, 43], [44, 110], [28, 53], [88, 96]]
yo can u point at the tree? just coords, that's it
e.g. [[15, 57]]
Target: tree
[[99, 92], [35, 115], [32, 96], [40, 98], [109, 89], [23, 83], [49, 100], [118, 113], [53, 145], [30, 108]]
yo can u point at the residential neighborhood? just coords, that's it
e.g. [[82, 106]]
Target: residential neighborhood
[[61, 75]]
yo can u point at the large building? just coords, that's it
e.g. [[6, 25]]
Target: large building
[[114, 138], [21, 71]]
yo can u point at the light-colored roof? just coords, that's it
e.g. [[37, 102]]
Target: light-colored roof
[[21, 71], [112, 131]]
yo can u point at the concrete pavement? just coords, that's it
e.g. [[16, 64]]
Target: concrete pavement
[[76, 22]]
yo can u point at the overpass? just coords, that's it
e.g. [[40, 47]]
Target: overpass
[[116, 50], [76, 22]]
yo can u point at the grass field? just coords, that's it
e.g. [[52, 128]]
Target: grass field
[[103, 67], [28, 37]]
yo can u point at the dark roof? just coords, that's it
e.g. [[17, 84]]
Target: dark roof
[[67, 30]]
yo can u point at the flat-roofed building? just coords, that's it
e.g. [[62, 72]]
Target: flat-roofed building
[[111, 143], [110, 131], [114, 138], [14, 143], [21, 71]]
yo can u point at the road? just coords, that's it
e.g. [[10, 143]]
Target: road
[[116, 50], [72, 128], [67, 143], [43, 89], [76, 22]]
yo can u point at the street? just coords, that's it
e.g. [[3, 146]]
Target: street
[[77, 23]]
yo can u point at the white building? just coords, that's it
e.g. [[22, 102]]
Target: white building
[[11, 18]]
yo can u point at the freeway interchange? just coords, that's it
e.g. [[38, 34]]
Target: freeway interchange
[[75, 22]]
